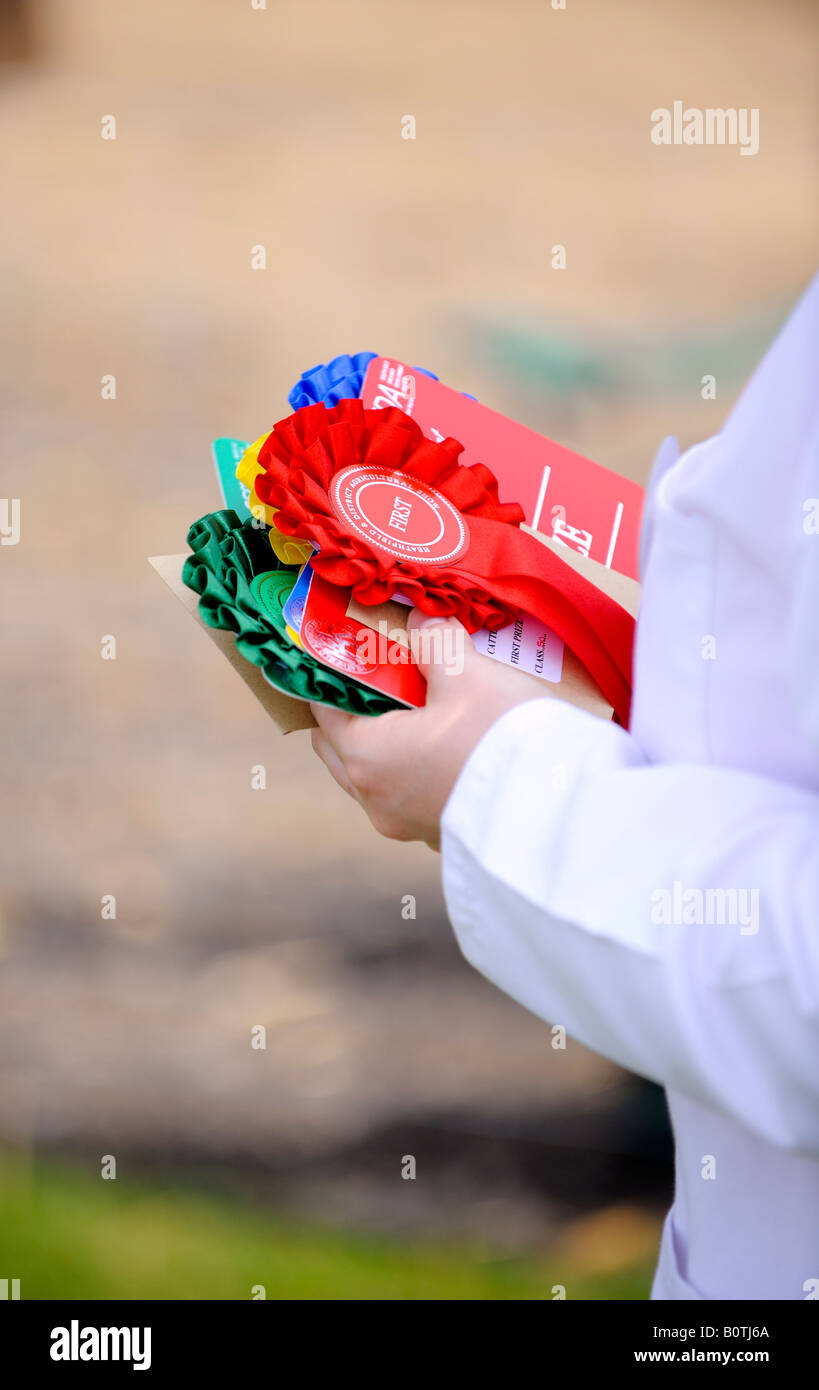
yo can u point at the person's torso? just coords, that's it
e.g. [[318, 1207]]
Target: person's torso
[[727, 673]]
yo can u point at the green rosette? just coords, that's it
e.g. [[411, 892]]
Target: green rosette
[[242, 588]]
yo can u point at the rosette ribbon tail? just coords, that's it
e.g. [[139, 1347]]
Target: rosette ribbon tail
[[519, 571]]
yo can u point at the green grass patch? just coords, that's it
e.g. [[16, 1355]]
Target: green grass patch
[[66, 1235]]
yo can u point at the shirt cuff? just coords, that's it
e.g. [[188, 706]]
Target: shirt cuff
[[470, 814], [472, 803]]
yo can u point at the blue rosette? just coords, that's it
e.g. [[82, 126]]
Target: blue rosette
[[330, 382], [340, 379]]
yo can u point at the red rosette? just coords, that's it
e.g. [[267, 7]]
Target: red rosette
[[390, 510]]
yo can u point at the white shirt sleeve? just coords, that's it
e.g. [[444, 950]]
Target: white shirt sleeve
[[666, 915]]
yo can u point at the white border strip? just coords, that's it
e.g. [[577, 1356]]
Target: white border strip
[[541, 497], [618, 517]]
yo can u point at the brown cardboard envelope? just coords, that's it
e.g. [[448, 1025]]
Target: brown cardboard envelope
[[285, 711]]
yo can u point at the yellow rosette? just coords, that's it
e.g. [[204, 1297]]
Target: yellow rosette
[[287, 549]]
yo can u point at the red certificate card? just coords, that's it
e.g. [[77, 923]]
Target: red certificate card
[[563, 494]]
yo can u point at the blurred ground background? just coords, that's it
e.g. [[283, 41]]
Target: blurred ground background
[[281, 127]]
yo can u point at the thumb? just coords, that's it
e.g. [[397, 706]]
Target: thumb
[[441, 648]]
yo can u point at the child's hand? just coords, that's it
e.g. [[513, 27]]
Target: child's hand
[[403, 765]]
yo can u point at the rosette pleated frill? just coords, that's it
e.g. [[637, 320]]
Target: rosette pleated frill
[[498, 572], [328, 383], [340, 379], [228, 555]]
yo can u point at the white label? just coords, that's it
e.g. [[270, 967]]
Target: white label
[[526, 644]]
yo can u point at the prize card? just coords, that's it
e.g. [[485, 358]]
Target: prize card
[[564, 495]]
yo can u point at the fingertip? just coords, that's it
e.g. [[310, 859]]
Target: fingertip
[[439, 646], [328, 718], [418, 620]]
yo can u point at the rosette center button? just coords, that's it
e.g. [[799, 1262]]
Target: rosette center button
[[399, 513]]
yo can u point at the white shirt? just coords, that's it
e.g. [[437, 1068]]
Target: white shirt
[[580, 861]]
